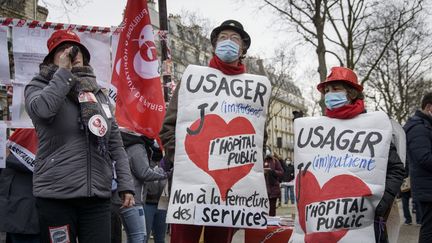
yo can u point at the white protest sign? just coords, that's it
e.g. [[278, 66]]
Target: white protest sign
[[218, 176], [3, 128], [29, 50], [340, 176], [4, 57]]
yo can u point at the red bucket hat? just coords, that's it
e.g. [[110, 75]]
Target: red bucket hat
[[62, 36], [341, 74]]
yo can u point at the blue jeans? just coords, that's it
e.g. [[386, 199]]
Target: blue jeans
[[289, 193], [155, 219], [134, 223]]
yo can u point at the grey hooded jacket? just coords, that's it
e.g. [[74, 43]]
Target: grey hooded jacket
[[67, 164]]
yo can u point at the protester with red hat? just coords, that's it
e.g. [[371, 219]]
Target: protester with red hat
[[230, 43], [73, 169], [344, 99]]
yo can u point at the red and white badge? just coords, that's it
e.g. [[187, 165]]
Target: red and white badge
[[59, 234], [98, 125], [87, 97]]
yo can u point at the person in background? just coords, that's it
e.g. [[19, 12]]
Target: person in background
[[230, 43], [154, 210], [273, 172], [139, 154], [18, 211], [418, 131], [72, 178], [343, 97], [287, 181]]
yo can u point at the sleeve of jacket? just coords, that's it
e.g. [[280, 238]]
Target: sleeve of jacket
[[419, 145], [140, 165], [44, 103], [394, 178], [278, 171], [118, 154], [167, 133]]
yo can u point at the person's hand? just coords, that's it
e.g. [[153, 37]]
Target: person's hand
[[64, 60], [127, 200]]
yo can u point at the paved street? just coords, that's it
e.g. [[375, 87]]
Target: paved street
[[408, 233]]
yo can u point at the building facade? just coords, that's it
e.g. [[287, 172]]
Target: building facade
[[23, 9]]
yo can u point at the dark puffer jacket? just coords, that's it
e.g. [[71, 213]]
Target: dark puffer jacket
[[68, 164], [18, 213], [419, 155], [273, 173]]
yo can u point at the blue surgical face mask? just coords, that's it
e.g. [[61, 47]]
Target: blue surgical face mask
[[227, 50], [335, 100]]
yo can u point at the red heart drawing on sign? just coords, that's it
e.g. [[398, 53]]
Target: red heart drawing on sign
[[341, 186], [197, 148]]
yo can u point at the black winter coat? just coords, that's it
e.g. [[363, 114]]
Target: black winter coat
[[419, 155], [394, 178], [18, 213], [67, 165]]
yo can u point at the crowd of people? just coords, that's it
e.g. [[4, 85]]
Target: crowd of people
[[91, 179]]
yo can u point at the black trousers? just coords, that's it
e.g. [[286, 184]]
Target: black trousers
[[66, 220], [426, 221]]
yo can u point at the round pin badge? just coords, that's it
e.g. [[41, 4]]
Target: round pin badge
[[97, 125]]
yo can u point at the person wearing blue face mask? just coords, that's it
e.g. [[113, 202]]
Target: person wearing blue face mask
[[230, 43], [344, 97]]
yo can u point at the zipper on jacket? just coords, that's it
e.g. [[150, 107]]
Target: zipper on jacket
[[88, 161]]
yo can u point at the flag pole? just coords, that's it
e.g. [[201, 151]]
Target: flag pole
[[163, 27]]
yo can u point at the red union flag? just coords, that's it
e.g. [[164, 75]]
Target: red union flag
[[140, 105], [23, 144]]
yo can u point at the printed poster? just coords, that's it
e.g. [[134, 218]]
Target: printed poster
[[30, 48], [98, 44], [218, 171], [340, 176], [4, 57]]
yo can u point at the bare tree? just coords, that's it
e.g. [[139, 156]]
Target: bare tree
[[278, 70], [400, 78], [343, 28], [65, 6], [308, 18]]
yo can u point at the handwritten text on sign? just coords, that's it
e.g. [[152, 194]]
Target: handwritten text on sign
[[340, 176], [219, 139]]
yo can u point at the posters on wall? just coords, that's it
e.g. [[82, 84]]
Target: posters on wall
[[340, 176], [29, 50], [4, 57], [218, 156], [98, 45]]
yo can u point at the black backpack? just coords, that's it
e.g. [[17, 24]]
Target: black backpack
[[288, 174]]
